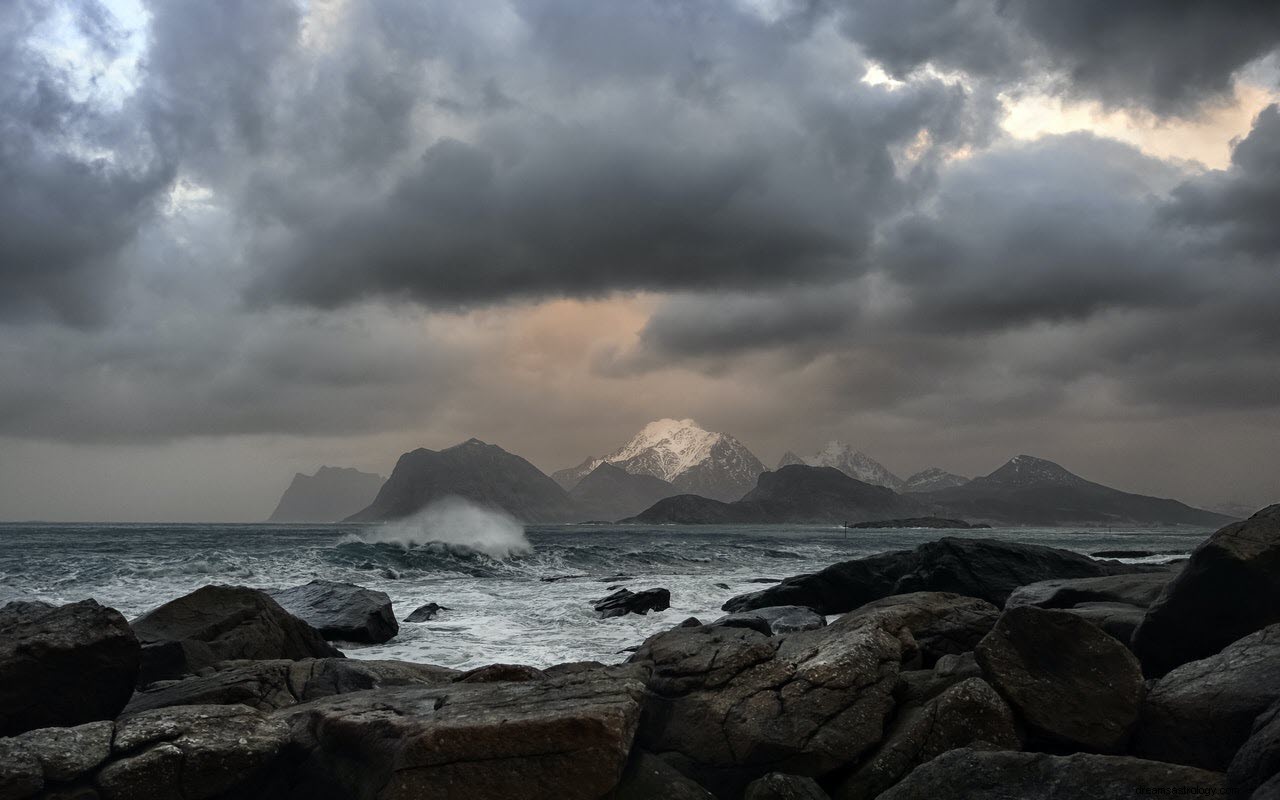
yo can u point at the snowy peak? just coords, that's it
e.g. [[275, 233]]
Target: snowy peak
[[933, 479], [680, 451], [1027, 470], [855, 464]]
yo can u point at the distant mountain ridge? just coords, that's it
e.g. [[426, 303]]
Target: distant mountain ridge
[[482, 473], [330, 495], [1028, 490], [609, 493], [795, 494], [933, 479], [854, 463], [681, 452]]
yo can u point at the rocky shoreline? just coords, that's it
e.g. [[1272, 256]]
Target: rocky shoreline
[[963, 668]]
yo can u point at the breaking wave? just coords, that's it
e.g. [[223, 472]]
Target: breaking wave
[[455, 526]]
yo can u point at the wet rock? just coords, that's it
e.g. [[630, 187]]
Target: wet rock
[[220, 623], [1005, 775], [1117, 619], [1070, 684], [1140, 589], [983, 568], [941, 623], [775, 620], [1258, 759], [625, 601], [280, 683], [427, 612], [1201, 713], [780, 786], [1228, 589], [501, 672], [564, 738], [192, 752], [648, 777], [968, 712], [341, 611], [63, 665], [47, 757], [728, 705]]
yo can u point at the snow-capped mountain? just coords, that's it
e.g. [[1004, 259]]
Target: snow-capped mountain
[[693, 459], [853, 463], [933, 479]]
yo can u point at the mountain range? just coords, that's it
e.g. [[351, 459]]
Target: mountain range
[[674, 471], [332, 494]]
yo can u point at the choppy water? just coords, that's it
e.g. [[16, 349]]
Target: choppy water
[[502, 610]]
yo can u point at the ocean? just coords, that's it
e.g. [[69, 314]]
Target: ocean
[[491, 573]]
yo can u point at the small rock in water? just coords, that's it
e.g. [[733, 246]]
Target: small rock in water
[[721, 585], [390, 573], [426, 613], [625, 601]]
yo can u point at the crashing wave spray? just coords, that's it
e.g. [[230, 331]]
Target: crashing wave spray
[[455, 522]]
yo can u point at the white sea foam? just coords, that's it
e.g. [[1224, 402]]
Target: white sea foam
[[456, 522]]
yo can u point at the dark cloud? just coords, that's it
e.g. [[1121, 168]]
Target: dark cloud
[[1168, 56], [76, 181]]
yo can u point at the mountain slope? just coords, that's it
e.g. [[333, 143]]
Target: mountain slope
[[333, 493], [854, 463], [689, 457], [483, 473], [1033, 491], [609, 493], [792, 494], [933, 479]]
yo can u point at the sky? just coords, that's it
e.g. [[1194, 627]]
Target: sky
[[243, 239]]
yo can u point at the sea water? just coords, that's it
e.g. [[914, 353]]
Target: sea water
[[515, 594]]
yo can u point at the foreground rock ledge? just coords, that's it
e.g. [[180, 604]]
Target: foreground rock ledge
[[563, 738]]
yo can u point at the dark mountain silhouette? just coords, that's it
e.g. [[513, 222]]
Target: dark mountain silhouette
[[1033, 491], [790, 494], [482, 473], [609, 493], [332, 494]]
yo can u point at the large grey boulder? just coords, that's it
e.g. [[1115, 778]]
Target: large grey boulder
[[984, 568], [781, 786], [1202, 712], [52, 756], [220, 623], [1229, 589], [625, 601], [728, 705], [563, 738], [1258, 759], [63, 665], [341, 611], [969, 712], [775, 620], [1070, 684], [280, 683], [1006, 775], [1138, 589], [941, 623], [192, 752], [647, 777]]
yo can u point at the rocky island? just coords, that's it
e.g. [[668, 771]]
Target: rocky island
[[963, 668]]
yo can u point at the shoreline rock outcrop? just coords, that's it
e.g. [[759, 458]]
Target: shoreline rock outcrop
[[341, 611]]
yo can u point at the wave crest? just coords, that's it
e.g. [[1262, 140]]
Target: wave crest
[[454, 523]]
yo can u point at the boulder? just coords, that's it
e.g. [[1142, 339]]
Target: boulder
[[192, 752], [1119, 620], [983, 568], [426, 612], [341, 611], [781, 786], [280, 683], [1258, 759], [648, 777], [564, 738], [501, 672], [1228, 589], [1005, 775], [63, 665], [728, 705], [1069, 683], [220, 623], [1140, 589], [775, 620], [47, 757], [968, 712], [625, 601], [941, 623], [1201, 713]]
